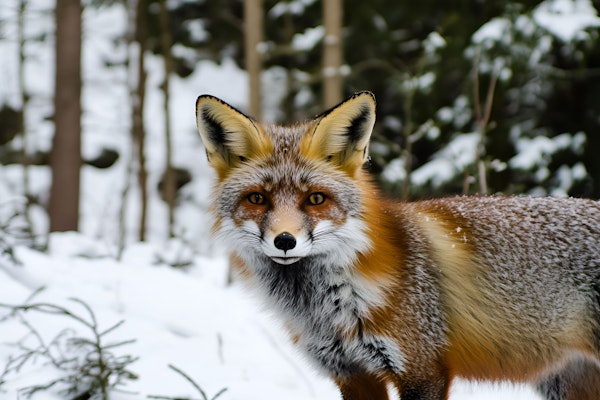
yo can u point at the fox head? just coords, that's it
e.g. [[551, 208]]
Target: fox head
[[289, 194]]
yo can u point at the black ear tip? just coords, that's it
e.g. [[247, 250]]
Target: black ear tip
[[364, 93], [203, 97], [214, 99]]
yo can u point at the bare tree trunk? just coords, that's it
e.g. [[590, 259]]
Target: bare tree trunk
[[253, 33], [408, 141], [138, 129], [131, 85], [166, 43], [24, 103], [483, 119], [290, 111], [65, 159], [332, 53]]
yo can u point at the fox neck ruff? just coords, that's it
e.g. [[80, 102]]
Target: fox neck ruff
[[325, 306]]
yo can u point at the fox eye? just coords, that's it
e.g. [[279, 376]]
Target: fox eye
[[316, 199], [256, 198]]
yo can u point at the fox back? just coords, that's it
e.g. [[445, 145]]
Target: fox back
[[409, 295]]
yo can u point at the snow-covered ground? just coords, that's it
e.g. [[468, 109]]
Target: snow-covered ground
[[190, 317]]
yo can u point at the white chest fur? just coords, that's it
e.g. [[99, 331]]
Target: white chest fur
[[325, 307]]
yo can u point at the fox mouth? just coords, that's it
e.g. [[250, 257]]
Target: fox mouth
[[286, 260]]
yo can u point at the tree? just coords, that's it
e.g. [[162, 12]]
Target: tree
[[253, 29], [169, 177], [65, 159], [24, 103], [332, 53], [138, 101]]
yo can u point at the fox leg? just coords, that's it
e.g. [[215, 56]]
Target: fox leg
[[434, 386], [362, 387], [578, 380], [424, 391]]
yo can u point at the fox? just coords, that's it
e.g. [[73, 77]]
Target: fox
[[399, 298]]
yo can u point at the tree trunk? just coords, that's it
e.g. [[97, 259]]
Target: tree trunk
[[288, 106], [408, 141], [166, 43], [332, 53], [24, 105], [65, 159], [138, 129], [253, 33]]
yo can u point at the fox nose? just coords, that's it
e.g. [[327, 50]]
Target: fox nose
[[285, 241]]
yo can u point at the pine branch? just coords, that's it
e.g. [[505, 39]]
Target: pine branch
[[90, 368]]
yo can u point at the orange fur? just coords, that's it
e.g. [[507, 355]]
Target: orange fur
[[363, 387], [379, 264]]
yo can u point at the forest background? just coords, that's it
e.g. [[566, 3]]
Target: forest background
[[97, 135], [473, 96]]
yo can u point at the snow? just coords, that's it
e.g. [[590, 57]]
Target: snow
[[492, 31], [449, 161], [394, 171], [460, 113], [197, 32], [433, 43], [294, 7], [566, 19], [308, 39], [537, 151], [188, 317]]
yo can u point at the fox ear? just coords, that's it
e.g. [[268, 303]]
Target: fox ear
[[341, 135], [230, 137]]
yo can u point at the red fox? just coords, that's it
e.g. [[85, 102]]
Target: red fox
[[403, 296]]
